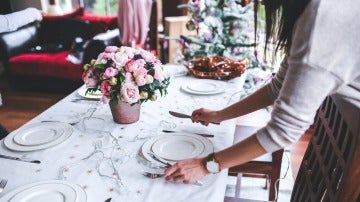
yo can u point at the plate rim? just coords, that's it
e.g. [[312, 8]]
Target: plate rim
[[215, 84], [81, 91], [10, 144], [80, 192], [209, 146], [44, 184], [167, 137], [221, 88], [48, 141]]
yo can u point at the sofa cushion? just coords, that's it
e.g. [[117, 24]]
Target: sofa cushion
[[73, 14], [99, 24], [64, 31], [52, 65]]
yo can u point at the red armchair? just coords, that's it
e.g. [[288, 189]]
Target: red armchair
[[35, 56]]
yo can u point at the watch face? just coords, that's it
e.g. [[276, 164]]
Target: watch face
[[212, 167]]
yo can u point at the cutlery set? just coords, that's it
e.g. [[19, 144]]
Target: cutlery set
[[20, 159], [201, 134]]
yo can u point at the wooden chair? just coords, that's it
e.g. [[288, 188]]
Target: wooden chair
[[330, 170], [267, 166]]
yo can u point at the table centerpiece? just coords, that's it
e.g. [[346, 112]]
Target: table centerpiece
[[126, 77]]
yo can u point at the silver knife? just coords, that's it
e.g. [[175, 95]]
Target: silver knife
[[19, 159], [159, 159], [84, 99], [181, 115], [204, 135]]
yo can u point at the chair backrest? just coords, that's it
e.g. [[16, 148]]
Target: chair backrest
[[330, 170]]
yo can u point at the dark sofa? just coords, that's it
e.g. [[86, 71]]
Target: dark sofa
[[36, 56]]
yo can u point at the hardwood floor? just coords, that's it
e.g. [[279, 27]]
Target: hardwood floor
[[19, 106]]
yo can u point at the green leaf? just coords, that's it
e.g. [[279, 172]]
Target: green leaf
[[100, 66]]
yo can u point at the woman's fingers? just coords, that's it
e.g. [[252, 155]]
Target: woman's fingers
[[187, 171]]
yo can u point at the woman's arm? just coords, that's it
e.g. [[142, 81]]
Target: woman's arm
[[253, 102], [261, 98], [191, 170]]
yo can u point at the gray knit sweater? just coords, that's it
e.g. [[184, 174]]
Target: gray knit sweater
[[324, 60]]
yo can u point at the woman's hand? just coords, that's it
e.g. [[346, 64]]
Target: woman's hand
[[187, 171], [205, 116]]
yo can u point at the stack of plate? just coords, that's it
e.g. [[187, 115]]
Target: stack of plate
[[203, 87], [177, 146], [38, 136], [53, 190], [89, 95]]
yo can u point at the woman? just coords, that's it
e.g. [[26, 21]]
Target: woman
[[320, 39]]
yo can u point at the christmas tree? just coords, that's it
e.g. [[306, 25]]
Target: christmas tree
[[224, 28], [227, 28]]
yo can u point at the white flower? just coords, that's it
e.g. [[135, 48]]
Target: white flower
[[129, 93]]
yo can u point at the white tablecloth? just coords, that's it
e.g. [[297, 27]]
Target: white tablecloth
[[66, 157]]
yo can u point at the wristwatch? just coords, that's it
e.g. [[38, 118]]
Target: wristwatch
[[211, 164]]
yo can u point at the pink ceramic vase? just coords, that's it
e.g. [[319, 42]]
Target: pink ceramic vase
[[125, 113]]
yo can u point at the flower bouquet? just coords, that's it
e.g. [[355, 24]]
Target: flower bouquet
[[126, 75]]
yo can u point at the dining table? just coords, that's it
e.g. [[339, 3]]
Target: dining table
[[78, 153]]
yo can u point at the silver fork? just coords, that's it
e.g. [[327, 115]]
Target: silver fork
[[153, 175], [2, 184]]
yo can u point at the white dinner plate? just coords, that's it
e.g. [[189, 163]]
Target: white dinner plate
[[178, 147], [90, 95], [44, 191], [40, 134], [61, 128], [204, 87], [155, 143]]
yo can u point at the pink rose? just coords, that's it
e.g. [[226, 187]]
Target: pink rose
[[89, 78], [108, 56], [101, 59], [111, 49], [128, 77], [141, 71], [129, 93], [127, 51], [156, 62], [159, 74], [110, 72], [105, 88], [140, 80], [134, 65], [148, 57], [120, 59]]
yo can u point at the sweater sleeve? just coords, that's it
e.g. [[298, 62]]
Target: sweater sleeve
[[273, 87], [301, 85], [302, 92]]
